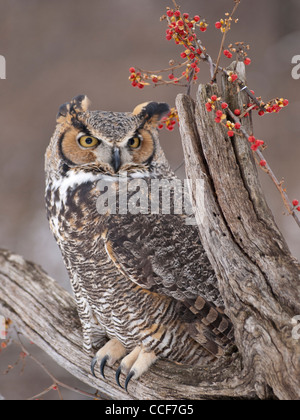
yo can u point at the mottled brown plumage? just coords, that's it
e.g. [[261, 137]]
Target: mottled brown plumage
[[142, 280]]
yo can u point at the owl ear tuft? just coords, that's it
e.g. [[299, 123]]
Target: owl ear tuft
[[78, 104], [151, 112]]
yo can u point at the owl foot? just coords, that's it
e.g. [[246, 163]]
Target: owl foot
[[108, 355], [135, 364]]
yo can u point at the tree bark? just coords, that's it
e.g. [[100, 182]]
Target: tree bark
[[258, 277]]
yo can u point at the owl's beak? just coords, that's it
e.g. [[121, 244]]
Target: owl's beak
[[116, 159]]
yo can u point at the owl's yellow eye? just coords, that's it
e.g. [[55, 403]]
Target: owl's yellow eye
[[88, 142], [134, 143]]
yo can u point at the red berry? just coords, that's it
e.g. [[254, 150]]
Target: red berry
[[132, 70], [214, 98], [262, 162], [237, 112], [218, 120], [219, 114], [295, 203], [251, 139], [234, 77], [183, 55], [261, 113], [208, 107], [298, 208], [170, 13], [247, 61], [285, 102], [254, 147], [186, 15], [224, 105], [227, 53], [259, 143], [171, 76], [177, 13], [237, 126], [230, 133], [218, 25], [140, 86], [197, 18]]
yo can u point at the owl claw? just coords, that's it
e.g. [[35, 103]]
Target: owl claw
[[102, 365], [118, 373], [93, 364], [128, 379]]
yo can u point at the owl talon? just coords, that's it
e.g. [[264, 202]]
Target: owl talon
[[118, 373], [103, 364], [93, 364], [128, 379]]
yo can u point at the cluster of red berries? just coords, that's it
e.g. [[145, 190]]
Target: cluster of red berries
[[255, 144], [136, 78], [276, 105], [182, 27], [170, 120], [215, 104]]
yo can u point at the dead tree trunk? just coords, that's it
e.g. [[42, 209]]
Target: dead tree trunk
[[258, 277]]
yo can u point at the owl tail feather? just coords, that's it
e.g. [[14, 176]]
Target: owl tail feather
[[208, 325]]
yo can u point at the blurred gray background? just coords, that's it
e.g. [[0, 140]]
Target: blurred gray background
[[60, 48]]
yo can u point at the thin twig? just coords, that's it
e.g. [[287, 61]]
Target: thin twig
[[237, 2], [56, 382], [179, 167]]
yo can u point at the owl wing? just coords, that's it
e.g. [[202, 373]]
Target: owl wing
[[163, 254]]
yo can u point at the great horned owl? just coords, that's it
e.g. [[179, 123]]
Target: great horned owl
[[140, 280]]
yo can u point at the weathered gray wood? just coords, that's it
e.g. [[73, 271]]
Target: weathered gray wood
[[258, 277], [47, 315]]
